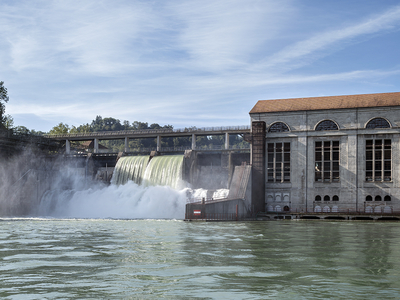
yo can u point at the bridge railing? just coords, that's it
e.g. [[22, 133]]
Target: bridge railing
[[163, 149], [152, 131]]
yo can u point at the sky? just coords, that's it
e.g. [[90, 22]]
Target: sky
[[189, 63]]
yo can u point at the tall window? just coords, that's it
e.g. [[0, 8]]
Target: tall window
[[378, 160], [327, 161], [278, 162]]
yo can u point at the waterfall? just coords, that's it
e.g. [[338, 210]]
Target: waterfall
[[161, 170], [130, 168]]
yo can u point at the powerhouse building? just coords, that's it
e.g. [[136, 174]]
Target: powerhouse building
[[327, 154]]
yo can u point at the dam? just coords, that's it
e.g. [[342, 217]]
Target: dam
[[50, 185], [332, 157]]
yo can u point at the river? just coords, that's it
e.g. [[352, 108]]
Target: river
[[46, 258]]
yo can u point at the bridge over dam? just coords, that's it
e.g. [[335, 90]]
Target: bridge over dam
[[200, 163], [158, 134]]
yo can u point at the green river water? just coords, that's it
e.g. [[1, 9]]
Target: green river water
[[173, 259]]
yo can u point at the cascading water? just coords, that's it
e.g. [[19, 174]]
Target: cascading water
[[161, 170], [139, 189], [130, 168]]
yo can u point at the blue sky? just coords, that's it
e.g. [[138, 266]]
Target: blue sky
[[189, 63]]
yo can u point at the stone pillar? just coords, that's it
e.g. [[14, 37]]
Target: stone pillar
[[227, 141], [193, 141], [258, 131], [96, 146], [158, 143], [126, 144], [67, 147]]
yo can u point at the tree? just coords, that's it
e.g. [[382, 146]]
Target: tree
[[3, 99], [8, 121], [21, 130], [60, 129]]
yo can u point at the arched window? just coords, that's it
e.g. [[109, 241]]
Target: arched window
[[368, 209], [278, 127], [317, 208], [327, 198], [335, 198], [368, 198], [318, 198], [326, 125], [378, 198], [377, 123], [286, 208], [387, 198], [326, 209]]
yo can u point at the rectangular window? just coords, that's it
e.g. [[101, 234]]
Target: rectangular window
[[378, 160], [278, 165], [327, 161]]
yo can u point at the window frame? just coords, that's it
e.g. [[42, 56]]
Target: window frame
[[278, 162], [327, 161], [378, 160]]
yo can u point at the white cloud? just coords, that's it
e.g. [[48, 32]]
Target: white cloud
[[312, 48], [177, 61]]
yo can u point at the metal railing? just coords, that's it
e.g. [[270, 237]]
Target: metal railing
[[152, 131], [198, 200]]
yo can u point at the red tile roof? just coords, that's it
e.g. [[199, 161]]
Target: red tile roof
[[331, 102]]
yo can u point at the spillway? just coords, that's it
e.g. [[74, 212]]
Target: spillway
[[160, 170]]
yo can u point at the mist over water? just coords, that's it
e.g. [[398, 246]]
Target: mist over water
[[128, 201], [140, 190]]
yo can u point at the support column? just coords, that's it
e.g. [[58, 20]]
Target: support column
[[158, 143], [193, 141], [226, 141], [126, 144], [96, 146], [67, 147], [258, 131]]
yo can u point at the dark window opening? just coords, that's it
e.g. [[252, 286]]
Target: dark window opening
[[327, 198], [387, 198], [377, 123], [318, 198], [278, 127], [335, 198], [326, 125], [368, 198], [378, 198]]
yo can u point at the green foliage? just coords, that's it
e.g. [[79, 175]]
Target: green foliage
[[3, 99], [21, 130], [8, 122], [61, 128]]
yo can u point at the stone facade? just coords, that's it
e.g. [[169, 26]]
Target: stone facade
[[342, 159]]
